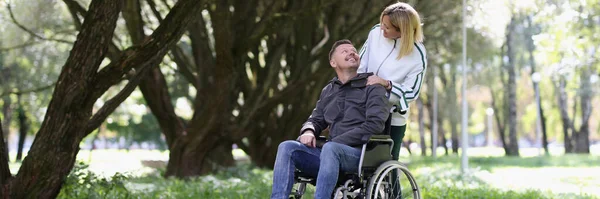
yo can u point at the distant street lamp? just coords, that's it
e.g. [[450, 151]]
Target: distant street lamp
[[464, 165], [536, 78], [489, 112]]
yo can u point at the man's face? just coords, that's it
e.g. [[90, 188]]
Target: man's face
[[345, 57]]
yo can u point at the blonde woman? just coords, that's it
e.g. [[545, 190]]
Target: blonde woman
[[395, 54]]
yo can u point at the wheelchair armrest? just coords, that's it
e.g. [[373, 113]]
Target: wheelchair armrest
[[321, 138], [381, 139], [320, 141]]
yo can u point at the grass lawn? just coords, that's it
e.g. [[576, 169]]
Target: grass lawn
[[120, 174]]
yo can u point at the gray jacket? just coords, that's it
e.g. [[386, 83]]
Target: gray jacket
[[353, 111]]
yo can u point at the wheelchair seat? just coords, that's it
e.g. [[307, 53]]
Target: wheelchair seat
[[373, 179]]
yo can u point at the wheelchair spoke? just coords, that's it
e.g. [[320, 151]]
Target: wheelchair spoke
[[391, 181]]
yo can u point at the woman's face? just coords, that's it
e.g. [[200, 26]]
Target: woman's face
[[389, 31]]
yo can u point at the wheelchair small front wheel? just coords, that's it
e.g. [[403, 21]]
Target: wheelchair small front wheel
[[392, 180]]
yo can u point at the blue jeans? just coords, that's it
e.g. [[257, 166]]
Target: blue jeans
[[324, 163]]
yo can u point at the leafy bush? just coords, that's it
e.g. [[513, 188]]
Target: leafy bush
[[82, 183], [437, 179]]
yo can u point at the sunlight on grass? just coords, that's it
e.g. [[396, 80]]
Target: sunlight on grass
[[122, 174]]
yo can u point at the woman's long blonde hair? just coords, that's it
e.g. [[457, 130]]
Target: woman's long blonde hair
[[405, 19]]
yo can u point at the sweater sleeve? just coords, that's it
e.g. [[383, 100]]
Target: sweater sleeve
[[407, 90], [316, 122]]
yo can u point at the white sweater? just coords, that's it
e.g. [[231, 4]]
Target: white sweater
[[379, 55]]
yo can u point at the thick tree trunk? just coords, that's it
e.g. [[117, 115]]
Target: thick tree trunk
[[54, 149], [422, 127], [263, 156], [582, 141], [513, 145], [187, 157], [80, 84]]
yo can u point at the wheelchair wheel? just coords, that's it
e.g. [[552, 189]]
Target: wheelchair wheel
[[392, 180]]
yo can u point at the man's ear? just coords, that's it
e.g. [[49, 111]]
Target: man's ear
[[332, 63]]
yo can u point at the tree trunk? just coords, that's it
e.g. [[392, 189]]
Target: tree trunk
[[54, 149], [7, 111], [23, 128], [530, 49], [80, 84], [444, 141], [262, 157], [433, 113], [5, 174], [544, 132], [582, 140], [453, 107], [513, 145], [499, 122], [564, 115], [422, 127], [187, 157]]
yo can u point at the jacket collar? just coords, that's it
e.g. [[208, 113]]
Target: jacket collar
[[360, 80]]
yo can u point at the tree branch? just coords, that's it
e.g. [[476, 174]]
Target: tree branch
[[112, 104], [34, 90], [23, 45], [75, 8], [323, 41], [183, 65], [12, 16], [154, 10], [153, 48]]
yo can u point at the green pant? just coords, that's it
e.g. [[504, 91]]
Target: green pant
[[397, 134]]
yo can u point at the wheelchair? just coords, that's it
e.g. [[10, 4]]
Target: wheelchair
[[378, 176]]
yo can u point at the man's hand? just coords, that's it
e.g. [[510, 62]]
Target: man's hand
[[308, 138]]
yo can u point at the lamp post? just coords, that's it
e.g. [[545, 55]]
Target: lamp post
[[489, 112], [465, 139], [536, 77]]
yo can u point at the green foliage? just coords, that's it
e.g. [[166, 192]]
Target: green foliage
[[82, 183], [437, 178], [239, 182]]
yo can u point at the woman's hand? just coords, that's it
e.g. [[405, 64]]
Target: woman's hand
[[374, 79]]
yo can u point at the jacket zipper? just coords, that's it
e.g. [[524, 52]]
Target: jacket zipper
[[381, 64]]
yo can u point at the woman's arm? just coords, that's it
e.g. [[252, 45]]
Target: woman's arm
[[402, 93]]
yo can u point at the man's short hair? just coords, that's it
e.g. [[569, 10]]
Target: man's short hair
[[336, 44]]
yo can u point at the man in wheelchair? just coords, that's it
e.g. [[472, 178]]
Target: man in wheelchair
[[351, 110]]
